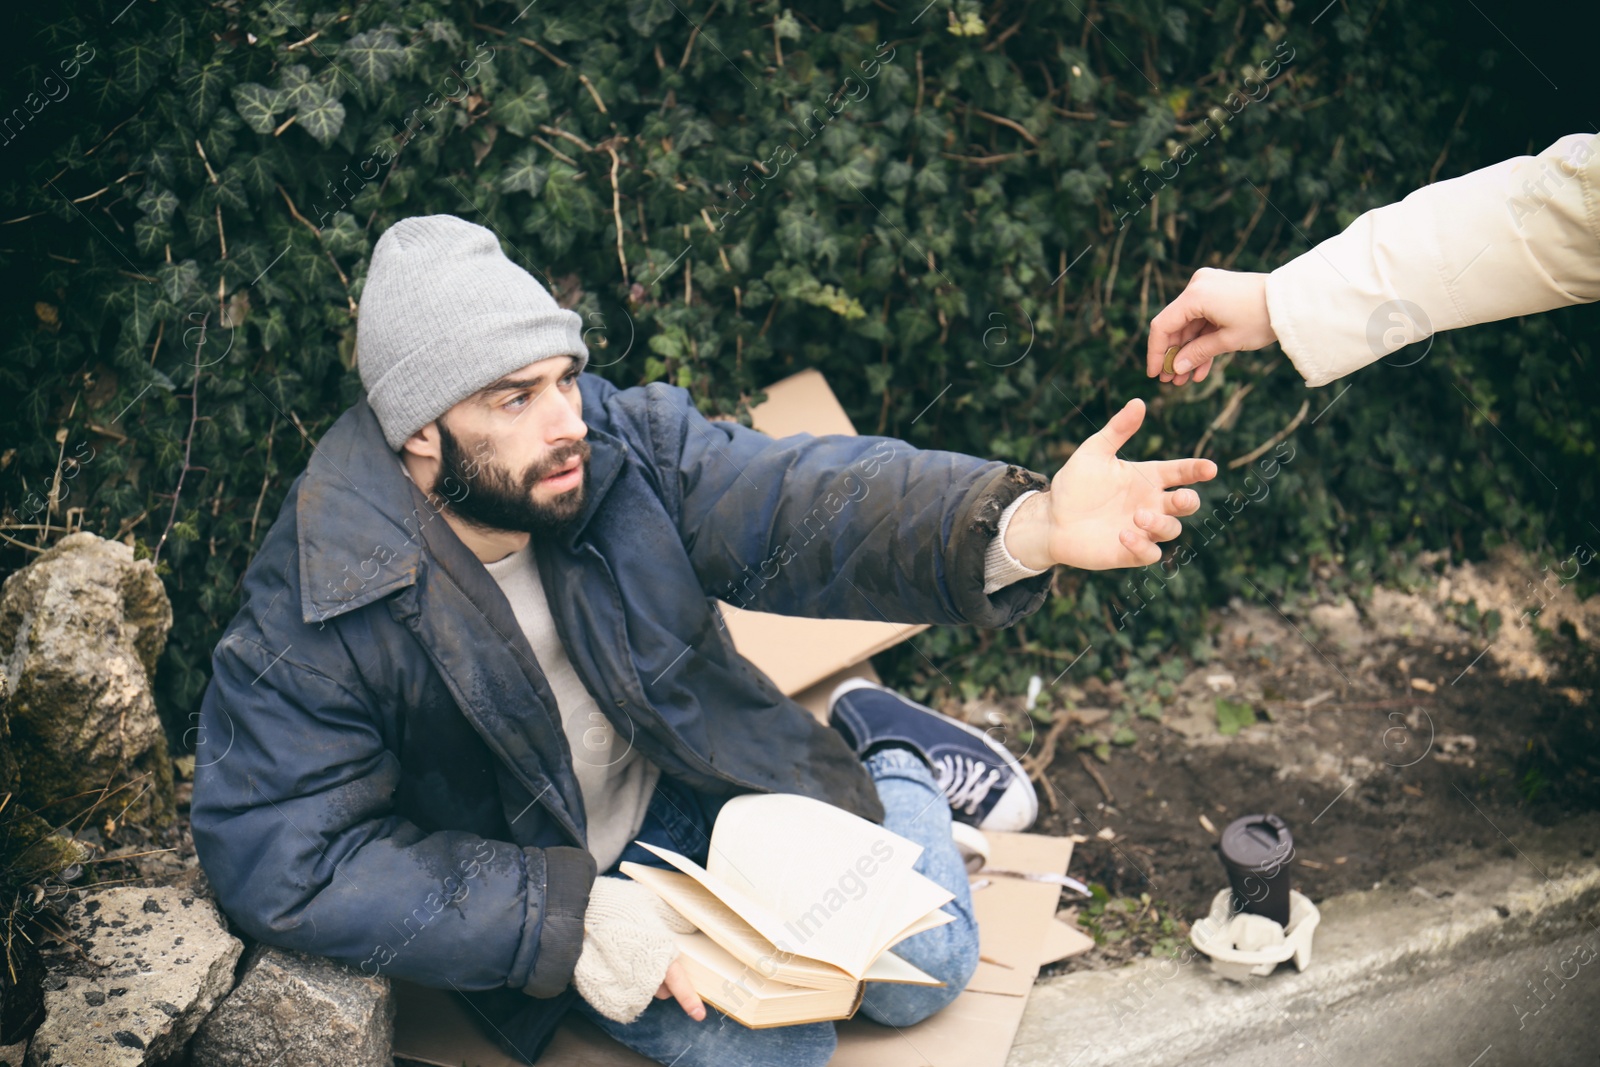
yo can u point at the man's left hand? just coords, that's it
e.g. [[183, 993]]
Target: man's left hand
[[1104, 512]]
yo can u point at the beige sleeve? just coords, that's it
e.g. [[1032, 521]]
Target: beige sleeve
[[1519, 237]]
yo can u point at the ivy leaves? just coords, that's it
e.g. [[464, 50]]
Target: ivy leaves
[[373, 57], [522, 113], [523, 174], [315, 107], [322, 118], [258, 106]]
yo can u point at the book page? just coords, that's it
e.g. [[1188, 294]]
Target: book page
[[724, 926], [919, 908], [836, 883], [891, 968]]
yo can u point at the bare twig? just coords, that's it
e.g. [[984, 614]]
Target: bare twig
[[984, 161], [1226, 417], [1037, 765], [556, 131], [188, 445], [296, 213], [554, 151], [1001, 120], [599, 103], [1235, 464], [266, 476], [616, 207], [688, 48], [1099, 781], [543, 51], [350, 300], [20, 544], [206, 161]]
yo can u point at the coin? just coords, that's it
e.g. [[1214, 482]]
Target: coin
[[1166, 364]]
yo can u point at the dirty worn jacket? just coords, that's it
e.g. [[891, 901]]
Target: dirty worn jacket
[[381, 777]]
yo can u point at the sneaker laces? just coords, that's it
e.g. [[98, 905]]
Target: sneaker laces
[[965, 781]]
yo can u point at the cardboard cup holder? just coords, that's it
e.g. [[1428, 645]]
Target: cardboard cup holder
[[1241, 944]]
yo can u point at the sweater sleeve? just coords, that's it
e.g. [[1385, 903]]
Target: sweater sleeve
[[1516, 238], [1000, 567]]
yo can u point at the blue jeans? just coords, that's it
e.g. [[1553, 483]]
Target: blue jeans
[[913, 808]]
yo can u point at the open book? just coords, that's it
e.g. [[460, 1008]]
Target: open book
[[797, 907]]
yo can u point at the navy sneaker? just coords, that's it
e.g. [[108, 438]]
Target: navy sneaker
[[985, 785]]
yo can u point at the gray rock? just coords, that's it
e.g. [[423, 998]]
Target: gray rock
[[11, 1055], [81, 628], [165, 958], [308, 1011]]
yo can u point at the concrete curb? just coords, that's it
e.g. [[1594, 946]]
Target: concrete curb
[[1498, 948]]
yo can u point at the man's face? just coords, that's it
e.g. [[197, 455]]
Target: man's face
[[517, 445]]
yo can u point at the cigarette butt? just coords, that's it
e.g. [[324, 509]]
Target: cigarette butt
[[1166, 363], [1210, 827]]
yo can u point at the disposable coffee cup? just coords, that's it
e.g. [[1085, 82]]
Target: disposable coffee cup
[[1257, 851]]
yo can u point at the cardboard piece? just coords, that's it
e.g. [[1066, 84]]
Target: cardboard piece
[[1063, 940], [1014, 913], [1017, 930], [794, 652]]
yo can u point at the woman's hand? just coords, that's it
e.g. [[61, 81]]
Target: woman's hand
[[1219, 311]]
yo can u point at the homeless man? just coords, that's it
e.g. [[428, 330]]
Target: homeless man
[[478, 657]]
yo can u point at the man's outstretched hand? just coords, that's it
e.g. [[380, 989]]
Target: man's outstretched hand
[[1218, 311], [1103, 512]]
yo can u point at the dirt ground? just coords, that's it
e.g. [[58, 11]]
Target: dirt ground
[[1386, 735]]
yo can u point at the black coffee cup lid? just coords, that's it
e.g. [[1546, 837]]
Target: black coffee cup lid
[[1253, 841]]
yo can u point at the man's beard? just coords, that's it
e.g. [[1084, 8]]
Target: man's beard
[[496, 500]]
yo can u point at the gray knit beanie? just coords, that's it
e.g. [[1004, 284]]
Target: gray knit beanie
[[443, 314]]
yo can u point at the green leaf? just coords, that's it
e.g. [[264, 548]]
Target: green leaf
[[205, 86], [1233, 716], [231, 189], [522, 113], [138, 66], [149, 236], [1123, 735], [140, 318], [372, 58], [158, 203], [256, 173], [179, 281], [258, 106], [274, 329], [646, 15], [322, 119], [523, 174], [298, 88]]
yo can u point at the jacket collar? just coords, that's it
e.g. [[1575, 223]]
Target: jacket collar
[[360, 518]]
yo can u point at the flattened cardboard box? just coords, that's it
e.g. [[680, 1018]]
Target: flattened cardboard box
[[806, 658]]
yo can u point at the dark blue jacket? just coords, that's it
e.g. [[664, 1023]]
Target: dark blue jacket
[[382, 778]]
